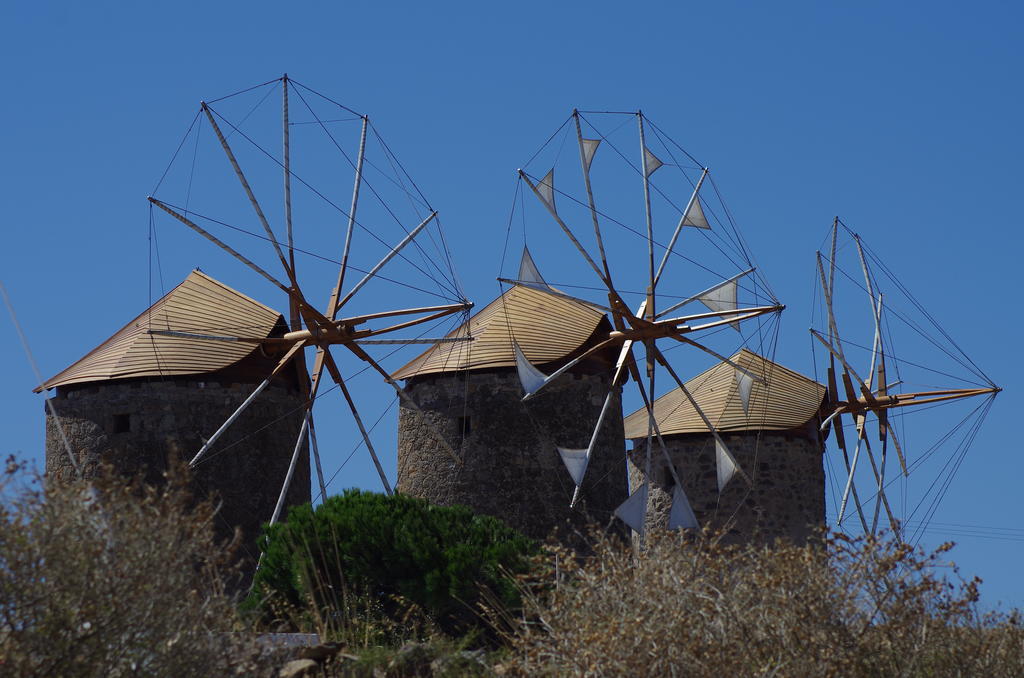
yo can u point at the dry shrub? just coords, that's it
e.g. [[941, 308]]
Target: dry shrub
[[106, 578], [695, 607]]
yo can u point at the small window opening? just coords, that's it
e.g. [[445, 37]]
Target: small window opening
[[465, 426], [122, 423]]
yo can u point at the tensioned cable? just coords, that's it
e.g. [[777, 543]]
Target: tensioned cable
[[243, 91], [270, 90], [965, 446], [662, 193], [729, 232], [39, 378], [328, 201], [412, 202], [335, 206], [415, 243], [314, 254], [325, 97], [362, 441], [358, 445], [176, 151], [898, 360], [444, 245], [632, 230], [305, 405], [913, 300], [972, 368]]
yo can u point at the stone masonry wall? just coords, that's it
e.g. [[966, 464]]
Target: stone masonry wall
[[138, 426], [786, 500], [510, 468]]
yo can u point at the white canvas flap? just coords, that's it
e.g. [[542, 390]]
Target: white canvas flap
[[546, 189], [694, 215], [744, 383], [634, 509], [681, 514], [726, 464], [529, 376], [529, 274], [589, 149], [651, 162], [575, 462], [722, 298]]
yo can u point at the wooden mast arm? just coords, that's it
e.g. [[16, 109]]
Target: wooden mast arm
[[248, 191], [707, 422], [590, 194], [565, 229], [332, 304], [308, 311]]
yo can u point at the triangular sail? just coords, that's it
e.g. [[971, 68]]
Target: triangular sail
[[529, 376], [744, 383], [722, 298], [546, 189], [575, 462], [681, 515], [694, 215], [633, 511], [651, 162], [529, 274], [589, 149], [725, 463]]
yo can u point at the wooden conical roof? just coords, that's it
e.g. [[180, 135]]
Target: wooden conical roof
[[547, 328], [786, 400], [199, 304]]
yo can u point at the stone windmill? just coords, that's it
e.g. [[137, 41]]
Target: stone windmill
[[471, 392], [894, 375], [387, 239], [140, 401], [771, 426]]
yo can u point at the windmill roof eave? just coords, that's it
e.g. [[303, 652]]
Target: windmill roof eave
[[198, 304], [787, 400], [548, 328]]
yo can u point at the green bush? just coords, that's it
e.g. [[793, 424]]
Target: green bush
[[392, 551]]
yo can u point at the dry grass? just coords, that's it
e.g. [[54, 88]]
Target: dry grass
[[104, 578], [689, 607]]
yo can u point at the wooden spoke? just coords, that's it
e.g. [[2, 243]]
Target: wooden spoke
[[248, 401], [590, 196], [363, 355], [707, 422], [697, 296], [316, 458], [332, 305], [388, 257], [212, 238], [647, 215], [248, 192], [612, 292], [851, 468], [679, 228], [292, 463], [332, 368]]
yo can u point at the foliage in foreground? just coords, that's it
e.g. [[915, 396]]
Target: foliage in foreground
[[699, 608], [102, 578], [363, 554]]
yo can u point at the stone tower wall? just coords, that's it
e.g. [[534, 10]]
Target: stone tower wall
[[786, 500], [138, 426], [510, 468]]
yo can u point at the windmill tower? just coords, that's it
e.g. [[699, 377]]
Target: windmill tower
[[768, 416], [508, 465], [140, 401]]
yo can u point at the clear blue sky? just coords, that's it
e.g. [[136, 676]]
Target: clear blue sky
[[903, 118]]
